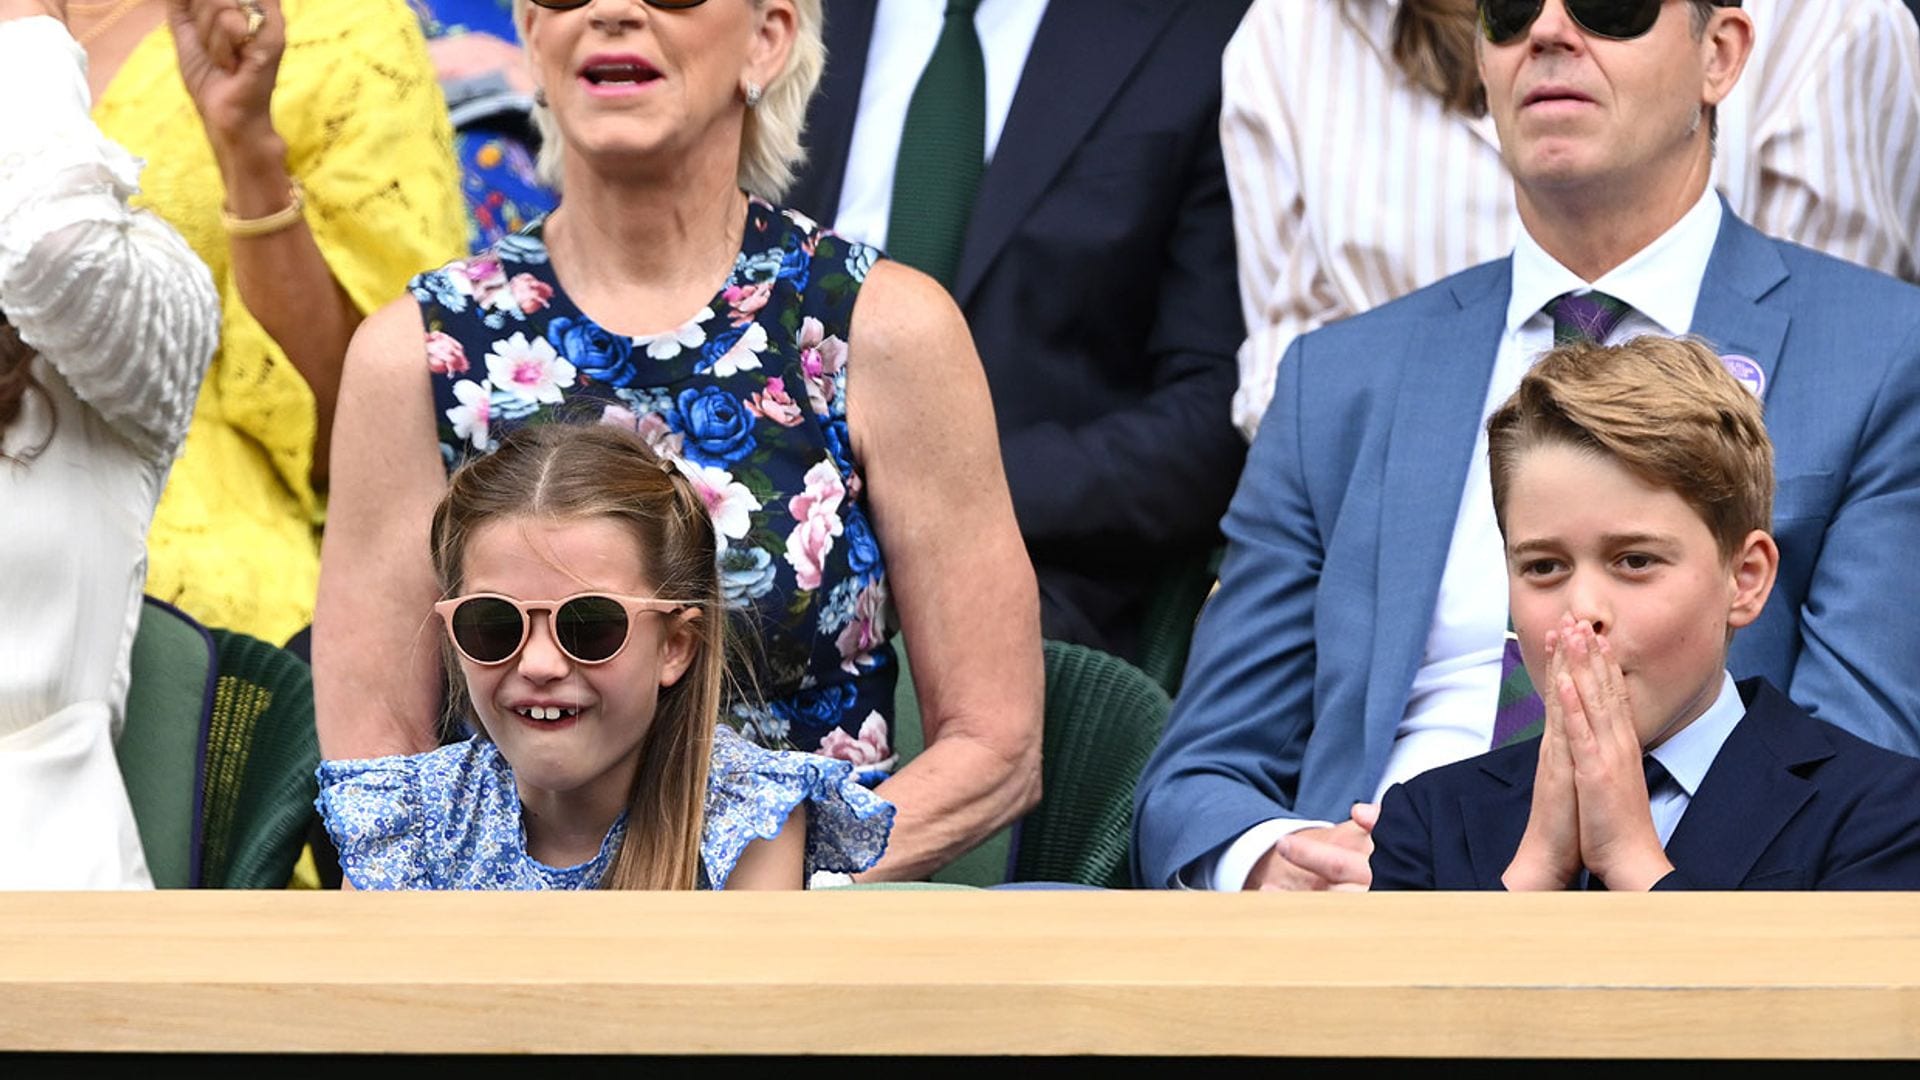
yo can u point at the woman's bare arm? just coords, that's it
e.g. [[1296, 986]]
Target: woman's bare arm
[[376, 653], [923, 430]]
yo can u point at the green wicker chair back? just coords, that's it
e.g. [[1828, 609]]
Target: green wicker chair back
[[1104, 717], [261, 752], [168, 697]]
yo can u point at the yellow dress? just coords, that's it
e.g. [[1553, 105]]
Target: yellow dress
[[235, 541]]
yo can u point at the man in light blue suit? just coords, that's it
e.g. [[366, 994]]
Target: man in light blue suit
[[1358, 634]]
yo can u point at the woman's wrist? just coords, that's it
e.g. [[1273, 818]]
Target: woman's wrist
[[253, 170]]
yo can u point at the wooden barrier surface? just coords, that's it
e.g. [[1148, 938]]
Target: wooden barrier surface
[[1570, 975]]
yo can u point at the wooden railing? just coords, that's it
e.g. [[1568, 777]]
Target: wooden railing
[[1455, 976]]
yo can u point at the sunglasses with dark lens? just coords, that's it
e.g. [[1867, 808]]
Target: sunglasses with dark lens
[[569, 5], [591, 628], [1504, 20]]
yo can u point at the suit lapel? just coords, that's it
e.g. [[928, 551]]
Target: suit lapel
[[1082, 54], [829, 138], [1749, 794], [1446, 363], [1496, 820], [1744, 268]]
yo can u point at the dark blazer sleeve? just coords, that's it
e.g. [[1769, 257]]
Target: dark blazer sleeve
[[1159, 471], [1402, 844], [1877, 845]]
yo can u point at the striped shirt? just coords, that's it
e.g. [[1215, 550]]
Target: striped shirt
[[1352, 186]]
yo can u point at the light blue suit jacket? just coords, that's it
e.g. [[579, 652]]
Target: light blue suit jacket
[[1303, 661]]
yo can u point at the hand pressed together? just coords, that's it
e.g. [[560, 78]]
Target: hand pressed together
[[1590, 804]]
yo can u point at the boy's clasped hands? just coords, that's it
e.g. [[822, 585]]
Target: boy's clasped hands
[[1590, 806]]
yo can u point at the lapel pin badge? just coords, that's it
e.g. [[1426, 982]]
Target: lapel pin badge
[[1748, 373]]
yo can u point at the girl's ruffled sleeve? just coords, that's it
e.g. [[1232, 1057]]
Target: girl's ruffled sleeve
[[751, 792], [375, 811]]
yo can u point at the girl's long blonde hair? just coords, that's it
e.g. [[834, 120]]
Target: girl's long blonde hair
[[576, 471]]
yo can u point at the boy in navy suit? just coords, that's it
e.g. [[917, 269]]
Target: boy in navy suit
[[1633, 486]]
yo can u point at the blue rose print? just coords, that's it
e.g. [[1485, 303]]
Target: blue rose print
[[718, 429], [600, 356], [746, 575], [817, 710], [863, 550]]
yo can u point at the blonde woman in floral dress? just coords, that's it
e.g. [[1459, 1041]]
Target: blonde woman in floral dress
[[302, 148], [826, 402]]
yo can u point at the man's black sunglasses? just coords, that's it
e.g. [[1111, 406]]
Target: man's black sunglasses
[[1504, 20]]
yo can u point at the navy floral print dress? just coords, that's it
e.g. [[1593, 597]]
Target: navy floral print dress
[[748, 397]]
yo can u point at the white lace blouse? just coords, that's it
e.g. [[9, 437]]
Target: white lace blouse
[[123, 319]]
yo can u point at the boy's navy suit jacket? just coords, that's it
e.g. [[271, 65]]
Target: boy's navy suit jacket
[[1789, 803]]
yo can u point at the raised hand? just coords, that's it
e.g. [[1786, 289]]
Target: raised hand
[[1548, 857], [1618, 842], [229, 73]]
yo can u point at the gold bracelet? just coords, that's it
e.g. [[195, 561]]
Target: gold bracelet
[[274, 222]]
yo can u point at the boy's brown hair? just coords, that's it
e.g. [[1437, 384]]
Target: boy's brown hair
[[1665, 409]]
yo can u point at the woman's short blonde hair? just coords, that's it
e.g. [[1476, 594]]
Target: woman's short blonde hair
[[770, 147]]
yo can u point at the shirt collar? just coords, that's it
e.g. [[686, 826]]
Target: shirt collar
[[1660, 281], [1690, 752]]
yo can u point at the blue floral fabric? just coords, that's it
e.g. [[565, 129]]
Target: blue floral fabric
[[450, 818], [493, 134], [748, 396], [497, 178]]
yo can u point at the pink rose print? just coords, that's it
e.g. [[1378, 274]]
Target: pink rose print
[[487, 282], [821, 358], [445, 354], [870, 748], [867, 629], [744, 300], [807, 548], [821, 496], [530, 293], [659, 436], [775, 404], [816, 512]]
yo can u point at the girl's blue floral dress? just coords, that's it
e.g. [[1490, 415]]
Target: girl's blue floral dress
[[450, 818], [748, 396]]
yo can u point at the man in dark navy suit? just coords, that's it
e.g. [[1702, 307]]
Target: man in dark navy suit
[[1633, 485], [1083, 226]]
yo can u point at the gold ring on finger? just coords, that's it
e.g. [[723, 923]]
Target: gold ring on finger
[[256, 18]]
